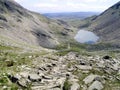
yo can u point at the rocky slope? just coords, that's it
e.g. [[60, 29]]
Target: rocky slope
[[107, 25], [72, 71], [69, 69], [20, 27]]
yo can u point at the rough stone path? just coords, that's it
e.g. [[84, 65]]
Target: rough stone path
[[50, 72]]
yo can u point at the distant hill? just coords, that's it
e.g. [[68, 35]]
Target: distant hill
[[21, 27], [75, 19], [107, 25], [70, 15]]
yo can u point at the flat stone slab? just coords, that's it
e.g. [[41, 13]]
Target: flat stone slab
[[84, 67], [34, 77], [22, 83], [90, 78], [96, 85], [24, 74]]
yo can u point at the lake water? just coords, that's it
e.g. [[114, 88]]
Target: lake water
[[88, 37]]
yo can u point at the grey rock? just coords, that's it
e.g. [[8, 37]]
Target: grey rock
[[75, 86], [82, 62], [115, 67], [40, 74], [18, 76], [71, 69], [90, 78], [34, 77], [84, 67], [55, 89], [118, 78], [71, 55], [109, 70], [61, 82], [22, 83], [47, 77], [96, 85], [24, 74]]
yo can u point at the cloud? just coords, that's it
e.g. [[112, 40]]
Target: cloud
[[66, 5], [45, 5], [76, 4], [22, 0]]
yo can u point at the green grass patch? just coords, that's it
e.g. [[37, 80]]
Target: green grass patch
[[72, 47], [5, 47], [5, 83], [66, 85]]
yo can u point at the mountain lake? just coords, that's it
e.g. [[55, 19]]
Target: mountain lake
[[84, 36]]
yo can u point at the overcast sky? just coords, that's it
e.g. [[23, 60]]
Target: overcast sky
[[48, 6]]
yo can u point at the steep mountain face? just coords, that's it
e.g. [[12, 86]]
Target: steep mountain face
[[19, 26], [107, 25]]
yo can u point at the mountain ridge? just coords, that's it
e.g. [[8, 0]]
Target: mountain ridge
[[106, 25]]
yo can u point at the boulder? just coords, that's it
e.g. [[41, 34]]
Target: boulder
[[90, 78], [34, 77], [96, 85], [24, 74], [18, 76], [75, 86], [71, 55], [118, 78], [22, 83], [71, 69], [84, 67], [61, 82], [82, 62]]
